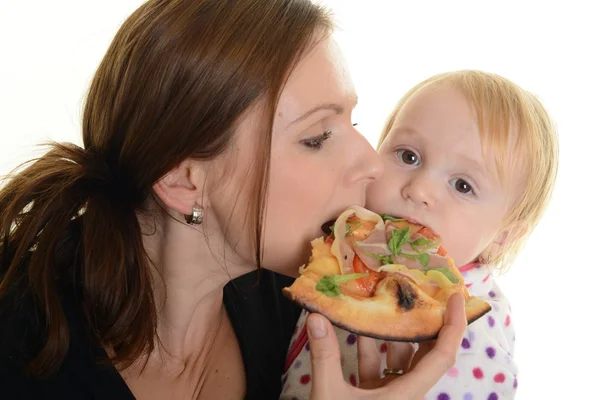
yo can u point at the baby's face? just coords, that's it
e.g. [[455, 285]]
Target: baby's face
[[436, 175]]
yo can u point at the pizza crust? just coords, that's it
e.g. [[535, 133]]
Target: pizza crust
[[398, 311]]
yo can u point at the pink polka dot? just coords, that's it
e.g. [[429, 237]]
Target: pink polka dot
[[453, 372], [383, 348], [499, 378], [507, 321], [353, 380], [305, 379], [478, 373], [486, 278]]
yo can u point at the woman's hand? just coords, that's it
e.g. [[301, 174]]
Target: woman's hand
[[328, 382]]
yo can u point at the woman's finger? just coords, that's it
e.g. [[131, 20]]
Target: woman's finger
[[328, 381]]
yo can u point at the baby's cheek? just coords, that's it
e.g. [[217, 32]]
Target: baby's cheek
[[461, 247]]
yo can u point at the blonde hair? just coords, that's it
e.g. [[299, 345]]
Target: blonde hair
[[511, 121]]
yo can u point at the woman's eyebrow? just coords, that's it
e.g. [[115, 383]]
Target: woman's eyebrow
[[337, 108]]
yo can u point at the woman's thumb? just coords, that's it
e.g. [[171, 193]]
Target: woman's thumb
[[325, 357]]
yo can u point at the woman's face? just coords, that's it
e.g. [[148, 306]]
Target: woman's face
[[320, 163]]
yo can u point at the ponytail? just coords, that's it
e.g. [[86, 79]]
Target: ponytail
[[38, 206]]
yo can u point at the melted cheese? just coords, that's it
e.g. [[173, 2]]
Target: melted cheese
[[419, 277]]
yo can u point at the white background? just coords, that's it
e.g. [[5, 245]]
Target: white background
[[49, 50]]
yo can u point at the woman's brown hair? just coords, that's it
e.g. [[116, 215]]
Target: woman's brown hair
[[173, 83]]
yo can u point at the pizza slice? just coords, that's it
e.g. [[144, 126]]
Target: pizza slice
[[381, 277]]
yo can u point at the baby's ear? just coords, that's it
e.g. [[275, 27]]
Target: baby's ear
[[504, 239], [512, 233]]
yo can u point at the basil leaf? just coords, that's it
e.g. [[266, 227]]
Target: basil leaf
[[399, 237], [350, 229], [424, 259], [386, 217], [422, 242], [329, 285], [451, 277], [385, 259]]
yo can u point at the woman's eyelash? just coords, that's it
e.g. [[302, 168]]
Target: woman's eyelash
[[317, 142]]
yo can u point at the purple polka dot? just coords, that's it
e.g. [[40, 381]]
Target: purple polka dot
[[515, 383], [491, 352], [468, 396], [493, 396], [492, 294], [465, 343], [307, 347], [491, 321], [351, 339], [443, 396], [298, 364], [471, 335]]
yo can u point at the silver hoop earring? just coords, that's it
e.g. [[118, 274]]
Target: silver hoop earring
[[197, 215]]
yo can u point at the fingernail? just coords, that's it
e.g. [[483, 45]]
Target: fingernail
[[316, 328]]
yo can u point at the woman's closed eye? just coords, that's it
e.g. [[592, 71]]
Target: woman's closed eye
[[461, 186], [316, 142], [408, 157]]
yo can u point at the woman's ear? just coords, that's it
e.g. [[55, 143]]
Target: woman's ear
[[183, 186]]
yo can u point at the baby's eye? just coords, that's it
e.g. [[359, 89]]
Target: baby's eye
[[408, 157], [461, 186]]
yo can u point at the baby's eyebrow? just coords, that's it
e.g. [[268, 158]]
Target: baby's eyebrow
[[405, 130], [475, 167]]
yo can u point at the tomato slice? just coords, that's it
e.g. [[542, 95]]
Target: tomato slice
[[428, 233], [368, 284]]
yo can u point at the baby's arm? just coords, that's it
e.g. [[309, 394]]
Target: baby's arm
[[484, 368]]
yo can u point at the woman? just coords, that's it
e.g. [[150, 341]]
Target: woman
[[217, 139]]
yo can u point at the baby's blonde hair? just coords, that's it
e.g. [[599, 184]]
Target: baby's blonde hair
[[511, 121]]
